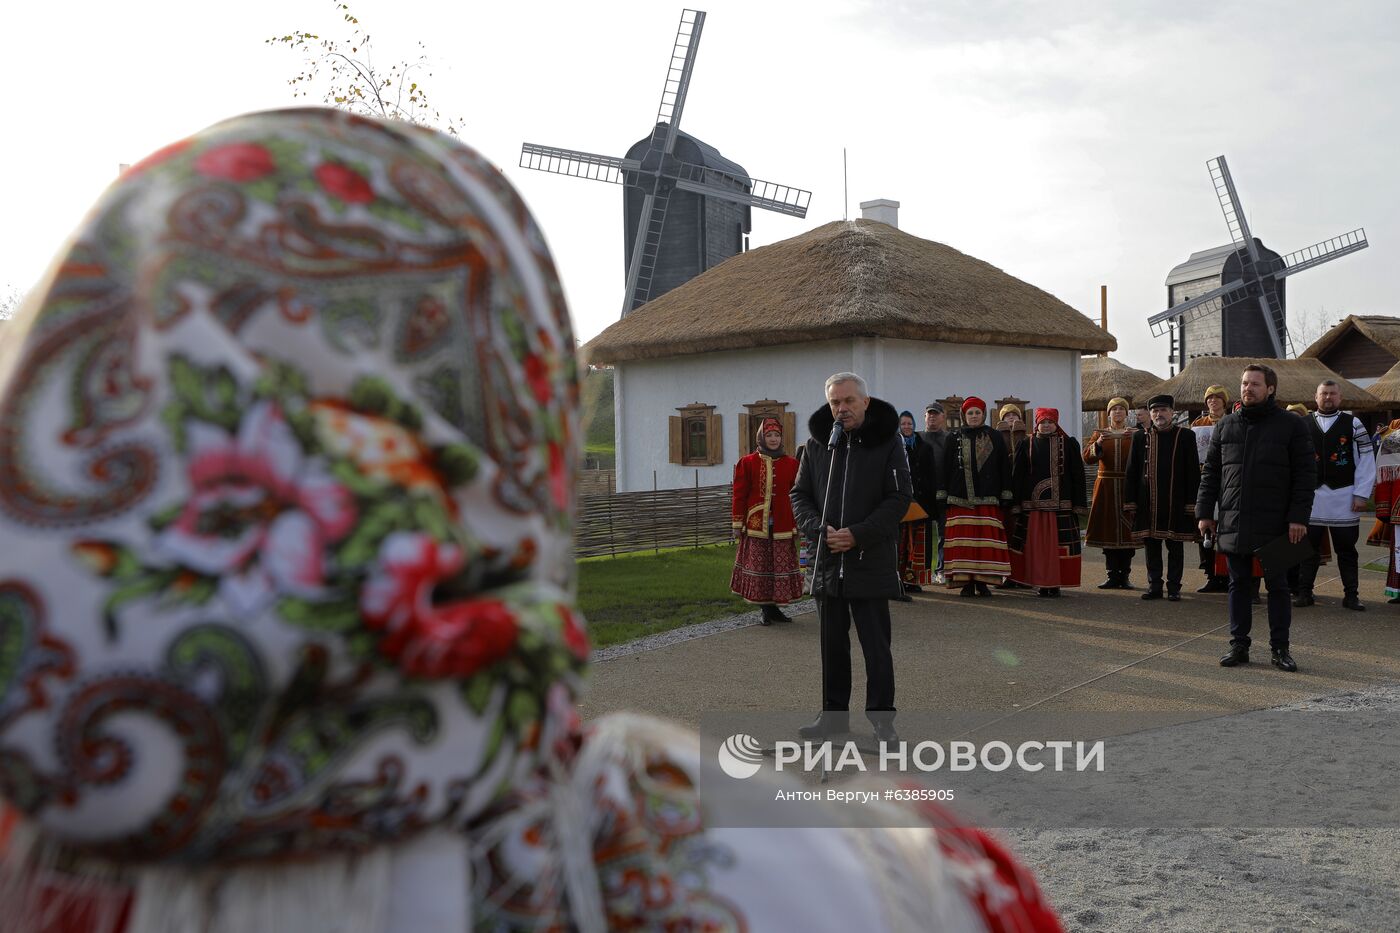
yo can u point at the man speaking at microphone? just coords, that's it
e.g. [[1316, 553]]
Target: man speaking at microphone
[[851, 491]]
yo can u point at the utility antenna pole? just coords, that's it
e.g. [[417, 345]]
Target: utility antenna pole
[[845, 189]]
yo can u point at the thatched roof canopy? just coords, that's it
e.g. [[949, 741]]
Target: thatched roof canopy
[[856, 278], [1102, 378], [1379, 329], [1297, 382], [1386, 389]]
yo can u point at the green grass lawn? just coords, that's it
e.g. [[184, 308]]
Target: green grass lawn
[[641, 594]]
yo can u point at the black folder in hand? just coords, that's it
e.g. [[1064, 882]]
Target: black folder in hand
[[1281, 554]]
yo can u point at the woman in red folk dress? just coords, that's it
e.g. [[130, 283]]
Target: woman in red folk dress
[[1048, 483], [765, 569]]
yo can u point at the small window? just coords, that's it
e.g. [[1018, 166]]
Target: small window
[[696, 450], [695, 439]]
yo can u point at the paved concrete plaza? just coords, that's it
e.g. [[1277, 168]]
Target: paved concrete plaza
[[1094, 650]]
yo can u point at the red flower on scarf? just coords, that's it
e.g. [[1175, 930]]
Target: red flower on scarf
[[343, 182], [235, 162], [558, 478], [574, 636], [424, 638], [537, 374], [459, 639]]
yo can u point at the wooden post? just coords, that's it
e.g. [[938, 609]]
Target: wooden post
[[612, 536], [1103, 311], [1103, 322], [697, 509]]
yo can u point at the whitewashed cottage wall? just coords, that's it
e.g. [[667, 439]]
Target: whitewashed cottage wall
[[906, 373]]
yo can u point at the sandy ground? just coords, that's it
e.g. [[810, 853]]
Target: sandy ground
[[1093, 650]]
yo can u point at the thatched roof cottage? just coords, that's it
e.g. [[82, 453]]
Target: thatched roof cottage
[[758, 334]]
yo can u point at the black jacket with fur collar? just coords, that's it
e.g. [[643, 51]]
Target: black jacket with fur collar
[[870, 492]]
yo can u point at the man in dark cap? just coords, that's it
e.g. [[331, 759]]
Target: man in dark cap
[[1159, 494], [935, 434], [1261, 471]]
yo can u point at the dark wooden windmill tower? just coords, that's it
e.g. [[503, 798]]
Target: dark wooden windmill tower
[[1229, 301], [685, 207]]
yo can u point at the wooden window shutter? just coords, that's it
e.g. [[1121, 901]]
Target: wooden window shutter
[[714, 440], [677, 450], [746, 441], [790, 433]]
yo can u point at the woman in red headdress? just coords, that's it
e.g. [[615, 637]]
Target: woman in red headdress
[[765, 568], [1048, 481], [976, 484]]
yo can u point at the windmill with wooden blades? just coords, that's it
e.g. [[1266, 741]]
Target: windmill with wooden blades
[[1229, 301], [685, 207]]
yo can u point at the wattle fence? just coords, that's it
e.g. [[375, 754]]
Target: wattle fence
[[612, 523]]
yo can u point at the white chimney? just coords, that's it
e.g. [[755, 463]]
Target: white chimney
[[882, 209]]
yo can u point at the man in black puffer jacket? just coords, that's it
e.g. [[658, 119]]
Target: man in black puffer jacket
[[855, 573], [1261, 472]]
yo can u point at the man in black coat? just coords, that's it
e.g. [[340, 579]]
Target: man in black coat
[[935, 435], [861, 475], [1159, 495], [1261, 472]]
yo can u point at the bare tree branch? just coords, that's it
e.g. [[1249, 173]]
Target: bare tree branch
[[355, 84]]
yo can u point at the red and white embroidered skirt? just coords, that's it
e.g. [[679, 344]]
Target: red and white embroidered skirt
[[974, 548], [766, 571]]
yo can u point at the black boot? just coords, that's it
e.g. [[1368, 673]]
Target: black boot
[[772, 613], [982, 589], [1353, 602], [1215, 584], [969, 589], [1303, 599], [1282, 660], [1112, 582], [884, 727], [1238, 654], [1123, 582], [827, 724]]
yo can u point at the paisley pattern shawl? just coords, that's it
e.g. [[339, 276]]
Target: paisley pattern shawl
[[289, 436]]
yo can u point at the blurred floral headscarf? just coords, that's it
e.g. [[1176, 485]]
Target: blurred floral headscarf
[[287, 447], [286, 488]]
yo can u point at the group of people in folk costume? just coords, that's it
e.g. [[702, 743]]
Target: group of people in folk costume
[[995, 506], [1144, 495]]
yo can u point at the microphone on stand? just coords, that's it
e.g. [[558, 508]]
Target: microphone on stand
[[837, 432]]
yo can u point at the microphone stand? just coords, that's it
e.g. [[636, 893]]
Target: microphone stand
[[837, 433]]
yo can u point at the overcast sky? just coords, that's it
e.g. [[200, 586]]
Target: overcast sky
[[1064, 142]]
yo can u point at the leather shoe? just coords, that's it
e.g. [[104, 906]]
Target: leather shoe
[[827, 724], [1304, 599], [1238, 654], [1215, 585], [1282, 659], [1109, 584], [884, 732], [1173, 596], [969, 589], [1123, 583], [1353, 603], [982, 589], [1152, 594]]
